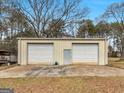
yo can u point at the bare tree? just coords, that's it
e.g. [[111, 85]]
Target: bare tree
[[3, 29], [39, 18], [17, 23], [55, 29], [6, 11], [39, 13], [116, 12]]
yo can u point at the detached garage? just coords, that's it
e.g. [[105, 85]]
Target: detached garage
[[63, 51]]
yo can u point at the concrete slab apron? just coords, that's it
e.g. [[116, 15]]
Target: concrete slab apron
[[57, 71]]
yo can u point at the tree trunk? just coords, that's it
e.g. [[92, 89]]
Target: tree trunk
[[122, 52]]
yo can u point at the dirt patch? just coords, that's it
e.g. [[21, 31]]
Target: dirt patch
[[116, 62], [60, 71], [4, 67], [23, 68]]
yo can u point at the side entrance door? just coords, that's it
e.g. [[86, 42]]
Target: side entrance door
[[67, 56]]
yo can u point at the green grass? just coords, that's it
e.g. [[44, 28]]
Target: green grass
[[65, 84]]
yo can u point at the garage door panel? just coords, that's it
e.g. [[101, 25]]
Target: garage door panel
[[85, 52], [40, 53]]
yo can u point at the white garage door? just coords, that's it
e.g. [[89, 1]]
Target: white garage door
[[40, 53], [85, 53]]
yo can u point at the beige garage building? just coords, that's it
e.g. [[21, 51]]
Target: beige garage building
[[62, 50]]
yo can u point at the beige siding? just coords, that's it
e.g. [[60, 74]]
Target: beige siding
[[106, 52], [58, 47], [19, 51], [101, 53]]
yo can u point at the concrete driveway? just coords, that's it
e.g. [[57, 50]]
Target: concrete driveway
[[56, 71]]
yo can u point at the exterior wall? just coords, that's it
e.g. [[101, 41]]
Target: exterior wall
[[58, 47]]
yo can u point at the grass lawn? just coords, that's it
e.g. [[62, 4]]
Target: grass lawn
[[65, 84], [115, 62]]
